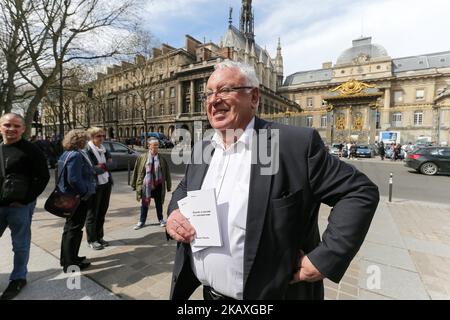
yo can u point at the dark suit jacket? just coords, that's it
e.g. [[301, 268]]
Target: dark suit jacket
[[282, 217]]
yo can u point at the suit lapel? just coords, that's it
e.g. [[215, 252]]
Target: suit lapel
[[259, 193], [199, 173]]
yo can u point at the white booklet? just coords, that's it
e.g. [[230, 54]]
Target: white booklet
[[200, 208]]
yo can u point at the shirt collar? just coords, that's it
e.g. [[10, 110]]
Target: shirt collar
[[245, 138]]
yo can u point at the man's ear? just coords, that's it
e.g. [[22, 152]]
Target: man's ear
[[255, 97]]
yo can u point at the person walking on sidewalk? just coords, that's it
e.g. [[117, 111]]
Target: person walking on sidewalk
[[80, 179], [25, 166], [381, 150], [151, 178], [101, 159]]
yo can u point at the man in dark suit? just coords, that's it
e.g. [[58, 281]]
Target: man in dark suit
[[271, 246]]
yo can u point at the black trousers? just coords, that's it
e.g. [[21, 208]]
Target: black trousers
[[73, 234], [156, 194], [95, 219]]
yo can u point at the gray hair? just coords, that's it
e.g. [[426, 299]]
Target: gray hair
[[246, 70], [152, 140], [13, 115]]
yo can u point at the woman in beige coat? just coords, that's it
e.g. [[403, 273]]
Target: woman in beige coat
[[151, 179]]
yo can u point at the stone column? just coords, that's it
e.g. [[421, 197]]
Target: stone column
[[179, 99], [192, 96], [330, 127], [348, 128], [385, 113]]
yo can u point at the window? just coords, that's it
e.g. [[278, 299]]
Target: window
[[309, 102], [420, 94], [161, 109], [172, 92], [161, 94], [418, 118], [324, 103], [397, 119], [172, 108], [398, 96], [152, 96], [323, 122], [309, 121]]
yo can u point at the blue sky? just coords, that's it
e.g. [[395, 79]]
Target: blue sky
[[311, 31]]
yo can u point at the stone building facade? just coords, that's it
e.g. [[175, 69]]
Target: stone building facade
[[408, 95], [166, 94]]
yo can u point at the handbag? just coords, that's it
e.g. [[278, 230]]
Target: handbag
[[62, 204], [14, 186]]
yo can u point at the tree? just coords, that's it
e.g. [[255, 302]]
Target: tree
[[140, 47], [12, 53], [52, 33]]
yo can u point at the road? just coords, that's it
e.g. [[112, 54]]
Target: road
[[408, 184]]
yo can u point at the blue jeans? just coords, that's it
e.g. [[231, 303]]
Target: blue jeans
[[19, 222]]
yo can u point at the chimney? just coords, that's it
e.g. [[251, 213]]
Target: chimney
[[156, 52], [192, 44], [327, 65], [140, 59]]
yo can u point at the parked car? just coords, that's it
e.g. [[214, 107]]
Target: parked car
[[164, 142], [364, 151], [429, 160], [121, 154], [334, 149]]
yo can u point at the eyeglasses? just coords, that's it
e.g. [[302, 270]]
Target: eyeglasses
[[222, 92]]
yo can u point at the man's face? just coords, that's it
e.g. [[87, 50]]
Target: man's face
[[12, 128], [153, 147], [236, 109]]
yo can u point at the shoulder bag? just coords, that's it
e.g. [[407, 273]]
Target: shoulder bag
[[62, 204]]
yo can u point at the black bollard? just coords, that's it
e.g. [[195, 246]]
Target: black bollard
[[390, 187]]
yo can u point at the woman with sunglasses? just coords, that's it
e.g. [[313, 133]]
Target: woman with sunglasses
[[101, 159]]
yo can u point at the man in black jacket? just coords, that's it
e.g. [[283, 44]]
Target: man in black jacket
[[24, 164], [271, 245]]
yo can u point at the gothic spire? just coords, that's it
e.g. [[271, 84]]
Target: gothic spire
[[247, 20]]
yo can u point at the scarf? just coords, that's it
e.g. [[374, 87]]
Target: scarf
[[153, 177], [99, 154]]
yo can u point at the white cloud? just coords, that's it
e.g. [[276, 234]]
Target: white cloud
[[313, 32]]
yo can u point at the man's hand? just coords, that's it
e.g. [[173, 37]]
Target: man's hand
[[179, 228], [307, 271]]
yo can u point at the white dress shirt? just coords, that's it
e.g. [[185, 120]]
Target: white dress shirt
[[229, 173]]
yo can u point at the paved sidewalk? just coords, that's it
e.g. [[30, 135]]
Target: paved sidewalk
[[408, 246]]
